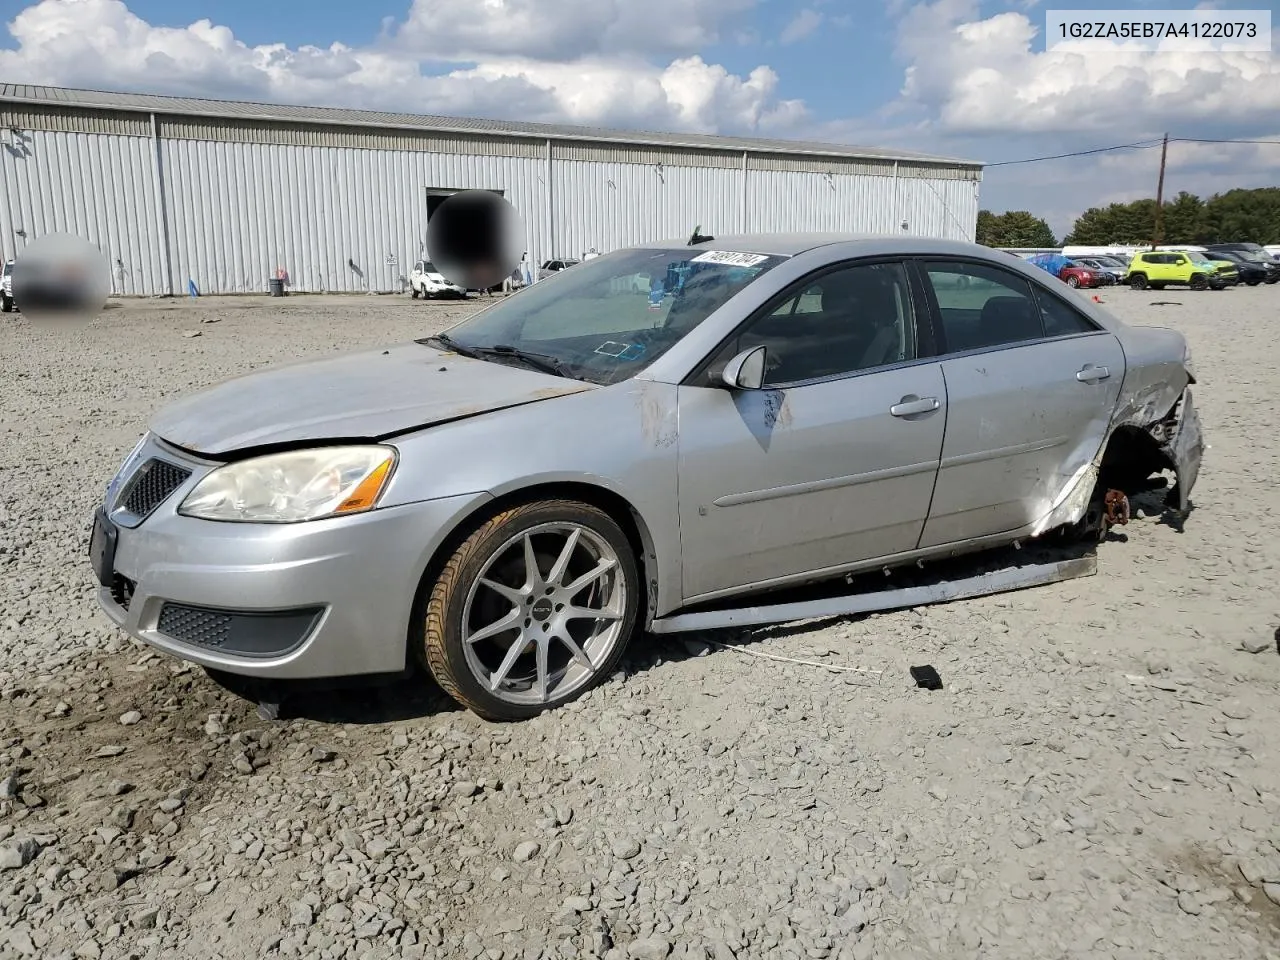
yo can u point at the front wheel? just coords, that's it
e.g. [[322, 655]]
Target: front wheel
[[1073, 281], [532, 610], [1199, 282]]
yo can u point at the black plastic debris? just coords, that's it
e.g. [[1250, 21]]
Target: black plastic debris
[[926, 678]]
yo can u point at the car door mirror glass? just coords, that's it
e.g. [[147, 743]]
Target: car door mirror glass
[[746, 370]]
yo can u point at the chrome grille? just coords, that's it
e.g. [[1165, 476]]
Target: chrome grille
[[152, 484]]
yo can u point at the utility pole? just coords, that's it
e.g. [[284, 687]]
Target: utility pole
[[1164, 152]]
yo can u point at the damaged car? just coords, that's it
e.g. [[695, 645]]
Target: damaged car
[[509, 503]]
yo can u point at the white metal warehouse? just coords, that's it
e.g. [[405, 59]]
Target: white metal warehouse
[[223, 194]]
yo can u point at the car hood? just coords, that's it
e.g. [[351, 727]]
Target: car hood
[[373, 394]]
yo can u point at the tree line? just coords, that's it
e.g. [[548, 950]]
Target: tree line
[[1233, 216]]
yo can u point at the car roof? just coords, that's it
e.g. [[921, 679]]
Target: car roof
[[794, 244]]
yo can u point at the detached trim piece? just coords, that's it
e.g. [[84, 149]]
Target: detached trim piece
[[998, 581]]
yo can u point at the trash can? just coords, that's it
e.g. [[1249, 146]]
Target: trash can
[[276, 286]]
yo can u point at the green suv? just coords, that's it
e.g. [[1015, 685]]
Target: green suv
[[1162, 268]]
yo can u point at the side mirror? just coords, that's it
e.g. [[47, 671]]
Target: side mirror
[[746, 370]]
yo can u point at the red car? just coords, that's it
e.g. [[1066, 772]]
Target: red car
[[1074, 276]]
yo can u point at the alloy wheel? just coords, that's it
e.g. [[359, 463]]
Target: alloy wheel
[[544, 613]]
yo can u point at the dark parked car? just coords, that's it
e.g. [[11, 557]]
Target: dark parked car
[[1254, 266]]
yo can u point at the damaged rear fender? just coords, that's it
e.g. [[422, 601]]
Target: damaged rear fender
[[1134, 449]]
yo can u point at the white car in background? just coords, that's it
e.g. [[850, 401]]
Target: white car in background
[[6, 288], [428, 283]]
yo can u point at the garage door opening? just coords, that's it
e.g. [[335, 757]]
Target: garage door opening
[[437, 196]]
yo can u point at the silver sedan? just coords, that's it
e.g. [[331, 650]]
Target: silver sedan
[[510, 502]]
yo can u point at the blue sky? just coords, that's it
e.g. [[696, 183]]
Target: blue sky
[[955, 77]]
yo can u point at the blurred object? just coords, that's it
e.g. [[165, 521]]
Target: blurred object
[[61, 278], [475, 239]]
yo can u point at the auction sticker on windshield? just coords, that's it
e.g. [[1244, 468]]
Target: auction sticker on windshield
[[729, 259]]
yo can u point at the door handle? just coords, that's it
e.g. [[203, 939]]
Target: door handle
[[911, 405], [1091, 374]]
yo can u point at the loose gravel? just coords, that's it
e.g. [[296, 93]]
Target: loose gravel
[[1096, 778]]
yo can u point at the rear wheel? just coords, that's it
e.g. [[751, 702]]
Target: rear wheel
[[1253, 283], [1199, 282], [1138, 281], [414, 290], [532, 610], [6, 304]]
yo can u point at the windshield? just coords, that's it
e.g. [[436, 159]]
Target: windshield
[[8, 269], [610, 317], [1200, 260], [429, 267]]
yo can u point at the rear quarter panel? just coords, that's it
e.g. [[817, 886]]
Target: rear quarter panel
[[1155, 373]]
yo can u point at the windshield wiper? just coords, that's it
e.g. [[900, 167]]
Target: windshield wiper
[[539, 361], [450, 344]]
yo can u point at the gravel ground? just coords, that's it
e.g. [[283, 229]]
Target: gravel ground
[[1094, 780]]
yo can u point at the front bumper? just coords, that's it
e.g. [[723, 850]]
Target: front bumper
[[320, 599], [433, 289]]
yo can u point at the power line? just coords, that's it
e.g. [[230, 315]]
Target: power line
[[1140, 145], [1206, 140]]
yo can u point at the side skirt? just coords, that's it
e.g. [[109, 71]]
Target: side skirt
[[998, 581]]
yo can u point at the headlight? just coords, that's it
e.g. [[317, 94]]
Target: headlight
[[290, 487]]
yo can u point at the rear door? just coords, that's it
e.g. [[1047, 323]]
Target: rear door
[[1031, 386]]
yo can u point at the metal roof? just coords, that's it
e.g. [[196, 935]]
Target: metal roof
[[286, 113]]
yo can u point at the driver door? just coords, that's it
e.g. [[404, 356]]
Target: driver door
[[833, 462]]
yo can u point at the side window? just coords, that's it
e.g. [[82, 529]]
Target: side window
[[852, 319], [1061, 320], [810, 301], [983, 306]]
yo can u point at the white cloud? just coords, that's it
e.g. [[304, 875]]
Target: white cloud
[[975, 75], [566, 29], [581, 62], [801, 26]]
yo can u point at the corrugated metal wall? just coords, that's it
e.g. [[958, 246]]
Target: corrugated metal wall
[[101, 188], [331, 214]]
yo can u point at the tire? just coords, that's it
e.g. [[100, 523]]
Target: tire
[[1253, 283], [1138, 281], [1199, 282], [1073, 281], [6, 304], [459, 604]]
